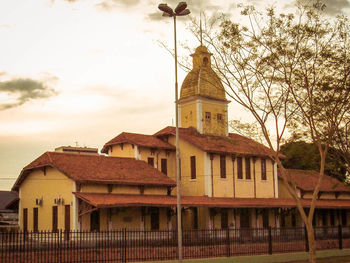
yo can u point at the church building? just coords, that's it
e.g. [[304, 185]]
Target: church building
[[227, 180]]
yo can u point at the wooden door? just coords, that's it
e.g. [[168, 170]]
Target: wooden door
[[224, 219], [95, 221], [25, 219], [244, 218], [67, 217], [54, 219], [155, 218], [35, 219]]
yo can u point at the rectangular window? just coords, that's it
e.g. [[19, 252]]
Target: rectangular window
[[224, 219], [263, 169], [222, 166], [25, 219], [54, 219], [219, 117], [35, 219], [193, 167], [239, 168], [207, 116], [164, 166], [247, 168], [150, 161]]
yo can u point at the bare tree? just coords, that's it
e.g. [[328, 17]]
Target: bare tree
[[290, 71]]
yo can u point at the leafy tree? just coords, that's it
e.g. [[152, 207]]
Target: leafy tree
[[290, 71], [306, 156]]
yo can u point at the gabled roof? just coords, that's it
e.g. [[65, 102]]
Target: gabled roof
[[138, 139], [99, 169], [7, 198], [101, 200], [233, 144], [307, 179]]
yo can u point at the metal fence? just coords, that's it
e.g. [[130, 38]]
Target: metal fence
[[137, 245]]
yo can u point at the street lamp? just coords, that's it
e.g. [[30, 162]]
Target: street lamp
[[180, 10]]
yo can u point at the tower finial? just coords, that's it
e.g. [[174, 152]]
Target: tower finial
[[200, 27]]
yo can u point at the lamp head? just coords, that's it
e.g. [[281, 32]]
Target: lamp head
[[180, 7], [166, 9], [184, 12]]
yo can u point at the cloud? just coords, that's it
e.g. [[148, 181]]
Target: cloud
[[109, 5], [333, 7], [24, 90]]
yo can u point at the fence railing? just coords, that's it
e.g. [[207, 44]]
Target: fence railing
[[138, 245]]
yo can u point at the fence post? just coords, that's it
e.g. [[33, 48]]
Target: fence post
[[124, 245], [306, 240], [228, 245], [59, 245], [340, 236], [270, 240]]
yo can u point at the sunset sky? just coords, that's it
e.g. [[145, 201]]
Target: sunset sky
[[82, 71]]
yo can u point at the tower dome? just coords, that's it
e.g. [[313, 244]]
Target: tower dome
[[202, 80]]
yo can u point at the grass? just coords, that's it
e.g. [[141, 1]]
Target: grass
[[325, 256]]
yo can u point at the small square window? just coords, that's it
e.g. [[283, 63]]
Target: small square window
[[219, 117], [207, 116]]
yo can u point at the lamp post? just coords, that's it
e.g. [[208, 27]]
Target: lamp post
[[180, 10]]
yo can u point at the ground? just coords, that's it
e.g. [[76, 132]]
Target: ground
[[326, 256]]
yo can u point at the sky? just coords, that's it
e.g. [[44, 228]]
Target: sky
[[79, 72]]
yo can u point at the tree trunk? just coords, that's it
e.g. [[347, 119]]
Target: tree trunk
[[312, 242]]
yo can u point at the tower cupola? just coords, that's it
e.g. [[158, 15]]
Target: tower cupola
[[203, 102]]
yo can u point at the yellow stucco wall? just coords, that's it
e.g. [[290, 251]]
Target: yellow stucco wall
[[94, 188], [127, 150], [125, 189], [282, 190], [214, 126], [48, 187], [158, 155], [188, 115], [122, 189], [223, 187], [126, 217], [190, 186], [264, 188]]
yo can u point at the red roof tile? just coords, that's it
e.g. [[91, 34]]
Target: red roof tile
[[113, 200], [99, 169], [233, 144], [138, 139], [307, 180]]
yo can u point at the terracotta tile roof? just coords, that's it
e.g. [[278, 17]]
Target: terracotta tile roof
[[138, 139], [307, 179], [233, 144], [113, 200], [99, 169]]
